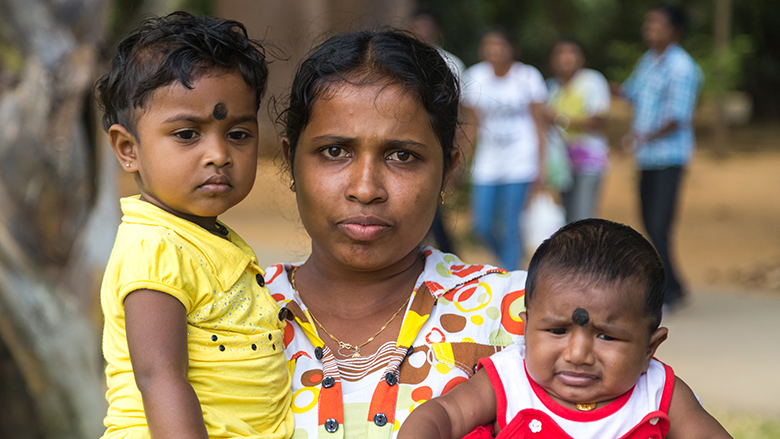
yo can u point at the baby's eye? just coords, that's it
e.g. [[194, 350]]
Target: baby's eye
[[606, 337], [186, 134], [334, 151], [401, 156], [557, 331]]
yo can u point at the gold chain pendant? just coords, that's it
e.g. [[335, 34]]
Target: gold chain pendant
[[586, 406]]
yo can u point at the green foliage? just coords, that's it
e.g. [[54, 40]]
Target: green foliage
[[10, 59], [724, 71], [744, 426], [610, 32]]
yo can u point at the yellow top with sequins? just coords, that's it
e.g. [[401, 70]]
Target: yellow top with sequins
[[235, 338]]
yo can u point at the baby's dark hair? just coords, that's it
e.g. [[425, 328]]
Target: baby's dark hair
[[602, 251], [387, 57], [179, 47]]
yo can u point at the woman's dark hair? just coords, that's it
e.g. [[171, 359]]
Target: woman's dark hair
[[387, 57], [598, 250], [180, 48]]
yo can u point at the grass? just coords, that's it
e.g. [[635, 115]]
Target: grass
[[749, 426]]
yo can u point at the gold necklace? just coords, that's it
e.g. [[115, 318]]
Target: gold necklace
[[343, 345], [586, 406]]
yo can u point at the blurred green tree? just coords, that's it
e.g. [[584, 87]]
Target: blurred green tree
[[610, 33]]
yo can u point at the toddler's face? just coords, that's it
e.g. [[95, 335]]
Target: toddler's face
[[196, 151], [587, 343]]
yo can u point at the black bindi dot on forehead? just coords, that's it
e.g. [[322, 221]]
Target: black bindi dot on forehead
[[220, 111], [580, 317]]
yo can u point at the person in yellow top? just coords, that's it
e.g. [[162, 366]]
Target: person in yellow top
[[192, 339]]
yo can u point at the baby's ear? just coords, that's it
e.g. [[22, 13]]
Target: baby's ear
[[656, 338], [124, 145]]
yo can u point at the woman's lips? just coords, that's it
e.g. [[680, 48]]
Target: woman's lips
[[364, 228]]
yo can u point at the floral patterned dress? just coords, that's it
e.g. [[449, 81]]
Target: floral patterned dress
[[458, 314]]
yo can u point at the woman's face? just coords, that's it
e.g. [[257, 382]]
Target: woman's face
[[566, 59], [368, 171]]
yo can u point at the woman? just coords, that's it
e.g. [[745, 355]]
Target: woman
[[378, 324], [507, 97], [579, 103]]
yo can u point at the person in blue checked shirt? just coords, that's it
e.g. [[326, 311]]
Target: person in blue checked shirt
[[663, 90]]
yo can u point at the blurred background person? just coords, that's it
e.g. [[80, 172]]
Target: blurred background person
[[578, 103], [506, 99], [663, 90], [426, 26]]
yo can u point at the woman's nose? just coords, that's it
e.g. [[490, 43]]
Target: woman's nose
[[366, 181]]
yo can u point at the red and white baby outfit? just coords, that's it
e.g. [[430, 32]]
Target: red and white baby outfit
[[525, 410]]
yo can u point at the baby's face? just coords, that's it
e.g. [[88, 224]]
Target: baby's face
[[587, 343]]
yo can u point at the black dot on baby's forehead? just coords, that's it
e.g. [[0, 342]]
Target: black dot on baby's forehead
[[580, 317]]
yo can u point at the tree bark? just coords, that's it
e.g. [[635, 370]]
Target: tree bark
[[49, 179]]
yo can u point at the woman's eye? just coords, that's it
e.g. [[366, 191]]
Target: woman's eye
[[401, 156], [334, 151], [186, 134]]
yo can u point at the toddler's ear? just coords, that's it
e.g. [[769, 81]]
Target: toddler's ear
[[124, 145], [656, 338]]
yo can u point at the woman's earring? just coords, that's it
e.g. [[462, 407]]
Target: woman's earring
[[441, 196], [292, 185], [127, 165]]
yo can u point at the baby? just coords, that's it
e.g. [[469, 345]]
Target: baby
[[193, 340], [593, 298]]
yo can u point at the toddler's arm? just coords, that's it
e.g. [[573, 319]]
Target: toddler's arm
[[454, 415], [156, 325], [688, 419]]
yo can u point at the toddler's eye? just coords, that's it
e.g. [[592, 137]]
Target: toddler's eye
[[186, 134], [238, 135], [557, 331], [401, 156], [605, 337]]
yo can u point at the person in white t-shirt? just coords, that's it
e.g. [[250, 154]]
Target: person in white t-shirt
[[507, 97]]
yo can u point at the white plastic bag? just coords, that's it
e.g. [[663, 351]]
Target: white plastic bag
[[542, 217]]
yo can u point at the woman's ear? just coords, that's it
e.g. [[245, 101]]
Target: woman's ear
[[453, 170], [125, 147]]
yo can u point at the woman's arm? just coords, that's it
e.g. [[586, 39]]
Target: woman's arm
[[688, 419], [454, 415], [156, 325]]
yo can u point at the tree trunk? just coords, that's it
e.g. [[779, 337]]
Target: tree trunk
[[49, 179]]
